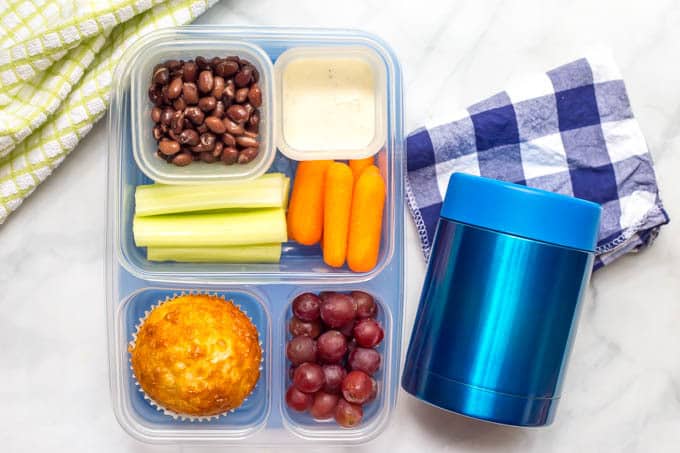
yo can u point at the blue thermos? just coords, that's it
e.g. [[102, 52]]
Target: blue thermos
[[501, 300]]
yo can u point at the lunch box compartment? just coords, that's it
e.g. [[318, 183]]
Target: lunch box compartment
[[298, 262], [362, 54], [167, 45], [244, 420], [302, 423]]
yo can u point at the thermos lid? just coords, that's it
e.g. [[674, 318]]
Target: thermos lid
[[522, 211]]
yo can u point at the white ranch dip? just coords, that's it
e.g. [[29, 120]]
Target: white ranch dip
[[328, 103]]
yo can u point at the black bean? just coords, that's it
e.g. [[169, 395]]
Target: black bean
[[178, 121], [155, 96], [190, 72], [249, 109], [189, 137], [228, 139], [229, 90], [195, 115], [241, 95], [217, 151], [254, 119], [255, 95], [237, 113], [190, 93], [179, 104], [244, 76], [157, 132], [166, 116], [247, 155], [175, 88], [227, 68], [207, 103], [247, 142], [229, 155], [220, 108], [161, 76], [182, 159], [205, 81], [215, 124], [218, 87], [208, 141], [172, 65], [232, 127], [201, 62], [155, 114], [168, 147], [207, 157]]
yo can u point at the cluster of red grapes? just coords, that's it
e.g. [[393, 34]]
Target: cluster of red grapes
[[333, 356]]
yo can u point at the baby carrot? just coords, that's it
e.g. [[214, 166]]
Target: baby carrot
[[337, 207], [305, 210], [365, 225], [359, 165]]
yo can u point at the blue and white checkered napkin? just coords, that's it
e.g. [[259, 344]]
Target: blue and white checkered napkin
[[570, 130]]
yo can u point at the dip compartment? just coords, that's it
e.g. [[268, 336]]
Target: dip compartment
[[339, 93]]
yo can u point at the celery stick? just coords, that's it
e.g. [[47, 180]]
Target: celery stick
[[286, 191], [263, 192], [259, 253], [257, 226]]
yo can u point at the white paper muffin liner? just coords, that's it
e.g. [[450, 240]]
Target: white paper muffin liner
[[160, 408]]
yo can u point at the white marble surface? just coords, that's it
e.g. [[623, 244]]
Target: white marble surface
[[622, 392]]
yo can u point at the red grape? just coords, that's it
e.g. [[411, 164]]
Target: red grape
[[366, 306], [301, 349], [308, 377], [364, 359], [331, 346], [332, 355], [351, 346], [297, 400], [357, 387], [306, 306], [334, 374], [323, 295], [368, 333], [337, 310], [323, 406], [348, 414], [296, 326], [374, 390], [347, 329]]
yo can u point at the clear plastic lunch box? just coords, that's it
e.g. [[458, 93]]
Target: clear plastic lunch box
[[263, 291]]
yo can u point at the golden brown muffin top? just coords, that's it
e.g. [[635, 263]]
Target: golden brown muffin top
[[197, 355]]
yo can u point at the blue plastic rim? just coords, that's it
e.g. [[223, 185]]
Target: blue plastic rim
[[522, 211]]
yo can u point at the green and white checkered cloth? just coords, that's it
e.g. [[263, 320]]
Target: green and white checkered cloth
[[57, 59]]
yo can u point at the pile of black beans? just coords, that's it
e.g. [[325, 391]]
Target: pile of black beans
[[207, 110]]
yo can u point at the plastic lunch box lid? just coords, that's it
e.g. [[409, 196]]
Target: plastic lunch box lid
[[522, 211]]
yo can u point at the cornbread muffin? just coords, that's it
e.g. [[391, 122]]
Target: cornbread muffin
[[196, 355]]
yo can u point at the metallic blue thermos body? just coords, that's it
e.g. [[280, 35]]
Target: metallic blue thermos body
[[500, 301]]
